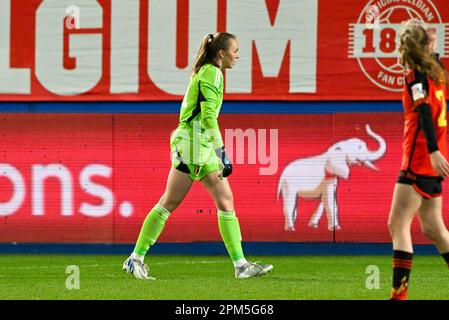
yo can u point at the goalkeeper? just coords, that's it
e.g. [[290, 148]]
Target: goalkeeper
[[198, 153]]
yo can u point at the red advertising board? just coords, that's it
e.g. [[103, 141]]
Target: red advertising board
[[93, 178], [144, 50]]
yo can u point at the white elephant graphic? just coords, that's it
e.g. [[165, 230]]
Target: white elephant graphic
[[317, 177]]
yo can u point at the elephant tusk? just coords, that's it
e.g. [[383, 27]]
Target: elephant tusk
[[370, 165]]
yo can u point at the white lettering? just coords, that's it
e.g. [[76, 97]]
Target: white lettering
[[69, 61], [73, 280], [296, 23], [43, 172], [74, 13], [96, 190], [373, 279], [264, 158], [18, 194], [240, 136], [256, 141], [162, 49], [87, 48], [12, 80], [125, 46]]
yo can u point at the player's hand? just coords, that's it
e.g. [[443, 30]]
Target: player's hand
[[227, 165], [439, 164]]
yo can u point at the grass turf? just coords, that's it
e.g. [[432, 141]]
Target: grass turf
[[211, 277]]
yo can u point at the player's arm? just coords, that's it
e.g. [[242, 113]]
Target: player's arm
[[209, 101], [209, 86], [439, 162], [426, 122], [418, 89]]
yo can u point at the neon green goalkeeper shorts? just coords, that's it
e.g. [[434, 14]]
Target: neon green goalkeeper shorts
[[192, 154]]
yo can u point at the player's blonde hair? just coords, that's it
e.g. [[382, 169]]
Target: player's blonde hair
[[415, 53], [211, 44]]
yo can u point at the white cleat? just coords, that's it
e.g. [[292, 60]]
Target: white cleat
[[252, 269], [137, 268]]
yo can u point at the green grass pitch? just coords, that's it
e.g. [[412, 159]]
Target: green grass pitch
[[212, 278]]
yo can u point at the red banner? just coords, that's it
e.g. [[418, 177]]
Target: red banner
[[93, 178], [144, 50]]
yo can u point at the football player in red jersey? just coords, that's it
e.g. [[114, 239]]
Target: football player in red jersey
[[424, 164]]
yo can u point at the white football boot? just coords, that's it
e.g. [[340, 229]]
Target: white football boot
[[252, 269], [137, 268]]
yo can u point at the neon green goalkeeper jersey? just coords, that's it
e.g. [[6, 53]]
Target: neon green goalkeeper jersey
[[202, 103]]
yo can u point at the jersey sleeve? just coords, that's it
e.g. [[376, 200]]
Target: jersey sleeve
[[418, 88], [425, 120], [209, 87]]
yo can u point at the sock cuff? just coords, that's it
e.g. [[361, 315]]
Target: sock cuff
[[403, 264], [402, 255], [226, 215], [402, 259], [164, 213]]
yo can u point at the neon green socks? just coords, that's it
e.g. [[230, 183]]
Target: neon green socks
[[230, 233], [151, 229], [227, 222]]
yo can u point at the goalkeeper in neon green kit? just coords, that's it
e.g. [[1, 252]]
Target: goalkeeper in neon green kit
[[198, 154]]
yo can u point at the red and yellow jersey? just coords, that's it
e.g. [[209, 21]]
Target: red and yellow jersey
[[421, 90]]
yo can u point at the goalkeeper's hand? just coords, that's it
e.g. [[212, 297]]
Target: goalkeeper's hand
[[226, 163]]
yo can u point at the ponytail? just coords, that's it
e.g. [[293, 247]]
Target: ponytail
[[209, 47], [414, 41]]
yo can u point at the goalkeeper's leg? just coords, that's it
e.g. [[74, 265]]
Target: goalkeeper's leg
[[178, 185], [229, 226]]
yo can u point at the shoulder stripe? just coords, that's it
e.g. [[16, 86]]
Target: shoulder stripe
[[217, 78]]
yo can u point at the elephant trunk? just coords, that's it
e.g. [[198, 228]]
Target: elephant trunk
[[375, 155]]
